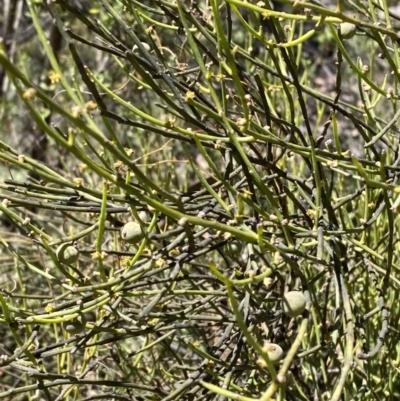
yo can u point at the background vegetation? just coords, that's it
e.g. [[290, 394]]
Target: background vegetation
[[256, 146]]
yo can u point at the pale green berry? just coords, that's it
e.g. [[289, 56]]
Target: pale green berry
[[132, 232], [294, 303], [274, 351], [75, 326], [144, 44], [235, 249], [67, 254], [347, 30]]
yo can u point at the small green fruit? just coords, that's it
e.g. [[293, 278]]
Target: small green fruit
[[274, 351], [235, 249], [67, 254], [144, 44], [347, 30], [294, 303], [132, 232], [75, 326]]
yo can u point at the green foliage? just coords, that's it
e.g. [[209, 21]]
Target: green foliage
[[255, 152]]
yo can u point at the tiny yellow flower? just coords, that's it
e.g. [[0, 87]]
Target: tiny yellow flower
[[29, 94], [78, 182], [54, 77]]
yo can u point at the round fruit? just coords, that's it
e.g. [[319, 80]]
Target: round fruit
[[294, 303], [274, 351], [347, 30], [75, 326], [67, 253], [144, 44], [235, 249], [132, 232]]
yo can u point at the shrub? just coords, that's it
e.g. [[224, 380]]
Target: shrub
[[254, 149]]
